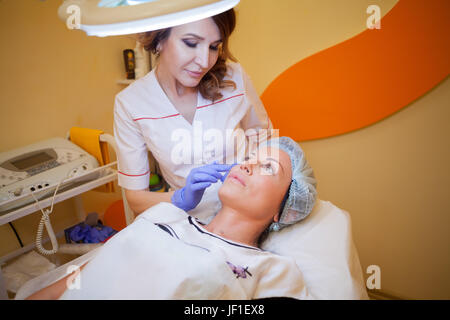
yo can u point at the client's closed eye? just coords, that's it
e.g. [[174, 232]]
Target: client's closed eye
[[267, 168]]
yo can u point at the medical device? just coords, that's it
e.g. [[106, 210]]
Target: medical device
[[119, 17], [37, 170]]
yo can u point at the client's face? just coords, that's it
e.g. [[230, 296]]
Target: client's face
[[257, 187]]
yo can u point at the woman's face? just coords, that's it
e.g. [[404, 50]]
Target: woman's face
[[190, 51], [257, 187]]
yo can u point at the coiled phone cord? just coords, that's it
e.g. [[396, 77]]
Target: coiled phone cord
[[45, 220]]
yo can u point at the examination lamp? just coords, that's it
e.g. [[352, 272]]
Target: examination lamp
[[119, 17]]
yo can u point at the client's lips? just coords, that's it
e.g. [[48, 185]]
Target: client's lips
[[238, 178]]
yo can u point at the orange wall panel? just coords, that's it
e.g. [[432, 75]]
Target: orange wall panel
[[366, 78]]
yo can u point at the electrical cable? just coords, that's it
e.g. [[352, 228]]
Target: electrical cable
[[45, 220], [17, 235]]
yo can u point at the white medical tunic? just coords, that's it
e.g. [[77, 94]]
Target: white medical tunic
[[146, 120], [167, 254]]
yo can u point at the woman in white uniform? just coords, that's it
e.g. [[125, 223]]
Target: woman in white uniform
[[187, 112]]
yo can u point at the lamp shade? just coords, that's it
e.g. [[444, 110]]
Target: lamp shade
[[119, 17]]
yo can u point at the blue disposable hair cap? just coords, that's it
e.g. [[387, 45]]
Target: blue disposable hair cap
[[301, 195]]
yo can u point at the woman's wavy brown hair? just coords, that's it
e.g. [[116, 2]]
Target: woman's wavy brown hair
[[213, 81]]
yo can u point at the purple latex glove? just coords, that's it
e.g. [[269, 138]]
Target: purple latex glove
[[93, 236], [88, 234], [79, 233], [98, 234], [188, 197]]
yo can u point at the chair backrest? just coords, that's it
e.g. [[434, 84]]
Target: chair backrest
[[129, 214], [108, 138]]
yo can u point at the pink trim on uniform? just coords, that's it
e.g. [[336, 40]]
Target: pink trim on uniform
[[134, 175], [175, 115]]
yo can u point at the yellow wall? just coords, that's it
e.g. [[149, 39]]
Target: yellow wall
[[392, 177], [51, 79]]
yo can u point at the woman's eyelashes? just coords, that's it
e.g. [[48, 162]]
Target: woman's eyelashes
[[265, 167], [191, 44]]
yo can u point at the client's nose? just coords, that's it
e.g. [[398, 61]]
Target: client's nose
[[247, 168]]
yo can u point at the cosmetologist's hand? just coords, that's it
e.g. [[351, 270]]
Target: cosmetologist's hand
[[200, 178]]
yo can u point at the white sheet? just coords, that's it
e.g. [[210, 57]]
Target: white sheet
[[145, 262], [322, 246], [126, 268]]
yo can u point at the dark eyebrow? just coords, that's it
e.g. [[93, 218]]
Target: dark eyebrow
[[199, 38], [268, 158]]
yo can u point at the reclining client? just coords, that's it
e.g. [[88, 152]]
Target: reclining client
[[168, 254]]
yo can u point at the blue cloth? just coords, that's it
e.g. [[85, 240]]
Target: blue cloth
[[88, 234]]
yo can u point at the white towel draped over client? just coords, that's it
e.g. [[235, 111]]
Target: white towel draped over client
[[167, 254]]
